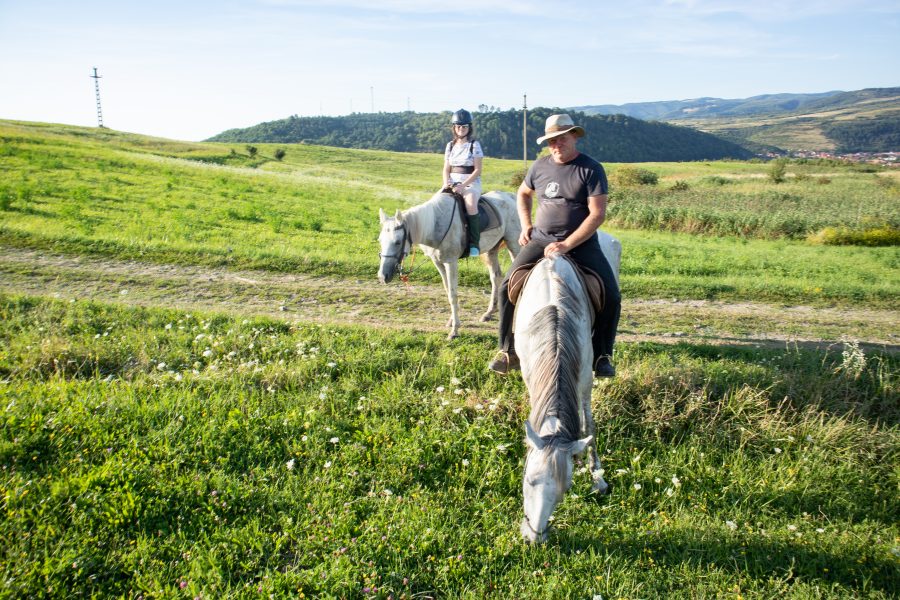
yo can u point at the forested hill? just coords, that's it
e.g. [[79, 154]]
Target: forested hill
[[610, 138]]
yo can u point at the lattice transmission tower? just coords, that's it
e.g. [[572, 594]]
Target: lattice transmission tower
[[96, 79]]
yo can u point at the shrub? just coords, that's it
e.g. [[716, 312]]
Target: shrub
[[251, 150], [823, 180], [633, 176], [516, 179], [279, 153], [680, 186], [777, 171], [884, 235], [717, 180]]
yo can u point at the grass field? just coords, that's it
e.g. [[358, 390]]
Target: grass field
[[160, 453]]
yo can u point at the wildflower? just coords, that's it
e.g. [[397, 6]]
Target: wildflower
[[327, 464], [792, 528], [304, 437], [465, 462], [168, 326], [458, 392], [621, 471], [440, 389], [334, 440], [182, 584], [657, 480], [161, 366], [820, 530], [637, 486], [445, 403], [456, 411], [675, 481], [731, 525], [322, 395], [207, 353], [670, 492], [777, 450], [388, 492], [502, 447], [454, 381], [331, 364], [290, 465]]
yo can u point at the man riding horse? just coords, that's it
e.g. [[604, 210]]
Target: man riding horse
[[572, 193]]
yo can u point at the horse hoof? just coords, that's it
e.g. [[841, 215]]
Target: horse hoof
[[487, 317], [452, 336]]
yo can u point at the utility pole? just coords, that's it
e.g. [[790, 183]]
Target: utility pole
[[96, 79], [524, 131]]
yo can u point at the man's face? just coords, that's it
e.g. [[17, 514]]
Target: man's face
[[562, 147]]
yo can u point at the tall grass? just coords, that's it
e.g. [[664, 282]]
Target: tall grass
[[157, 453]]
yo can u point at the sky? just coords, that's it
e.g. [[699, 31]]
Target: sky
[[190, 69]]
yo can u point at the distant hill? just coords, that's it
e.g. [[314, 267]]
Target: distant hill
[[860, 121], [610, 138]]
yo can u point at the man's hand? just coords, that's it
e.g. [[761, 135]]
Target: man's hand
[[525, 236], [556, 248]]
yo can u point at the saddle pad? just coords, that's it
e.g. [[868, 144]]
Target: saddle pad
[[487, 216], [592, 283]]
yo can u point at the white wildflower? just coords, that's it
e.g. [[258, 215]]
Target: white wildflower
[[777, 450], [161, 366], [455, 381], [637, 486], [465, 462], [290, 465], [731, 525], [207, 353], [327, 464], [621, 471], [675, 481], [792, 528], [334, 440], [440, 389]]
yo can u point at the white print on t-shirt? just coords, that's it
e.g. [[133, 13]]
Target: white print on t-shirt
[[552, 190]]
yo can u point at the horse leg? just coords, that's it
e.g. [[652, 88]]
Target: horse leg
[[450, 283], [598, 485], [442, 271], [493, 265]]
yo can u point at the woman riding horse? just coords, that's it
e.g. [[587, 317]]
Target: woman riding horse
[[462, 171]]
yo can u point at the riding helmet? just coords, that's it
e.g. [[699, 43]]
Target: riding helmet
[[461, 117]]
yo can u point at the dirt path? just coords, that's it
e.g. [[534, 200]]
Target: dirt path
[[419, 307]]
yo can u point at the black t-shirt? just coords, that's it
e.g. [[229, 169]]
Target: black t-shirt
[[562, 191]]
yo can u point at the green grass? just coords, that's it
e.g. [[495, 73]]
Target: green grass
[[166, 454], [83, 191]]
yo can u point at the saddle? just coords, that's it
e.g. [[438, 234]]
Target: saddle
[[487, 216], [589, 278]]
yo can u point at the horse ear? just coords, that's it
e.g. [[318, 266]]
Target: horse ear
[[532, 438], [382, 217], [579, 446], [399, 216]]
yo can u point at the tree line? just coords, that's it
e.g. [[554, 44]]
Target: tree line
[[610, 138]]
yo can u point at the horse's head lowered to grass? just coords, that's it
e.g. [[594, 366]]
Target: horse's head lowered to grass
[[547, 478]]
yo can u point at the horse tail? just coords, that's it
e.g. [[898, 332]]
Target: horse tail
[[556, 359]]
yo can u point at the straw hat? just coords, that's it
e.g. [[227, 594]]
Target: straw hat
[[557, 125]]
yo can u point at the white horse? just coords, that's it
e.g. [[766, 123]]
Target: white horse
[[438, 229], [553, 341]]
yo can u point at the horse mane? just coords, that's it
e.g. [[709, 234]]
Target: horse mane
[[558, 354], [423, 217]]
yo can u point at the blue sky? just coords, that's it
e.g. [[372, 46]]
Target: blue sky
[[190, 69]]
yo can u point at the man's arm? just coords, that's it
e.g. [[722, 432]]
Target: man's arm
[[588, 227], [523, 204]]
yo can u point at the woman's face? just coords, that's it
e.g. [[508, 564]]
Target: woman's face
[[461, 131]]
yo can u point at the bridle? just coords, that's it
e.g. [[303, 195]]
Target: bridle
[[407, 242], [539, 534]]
